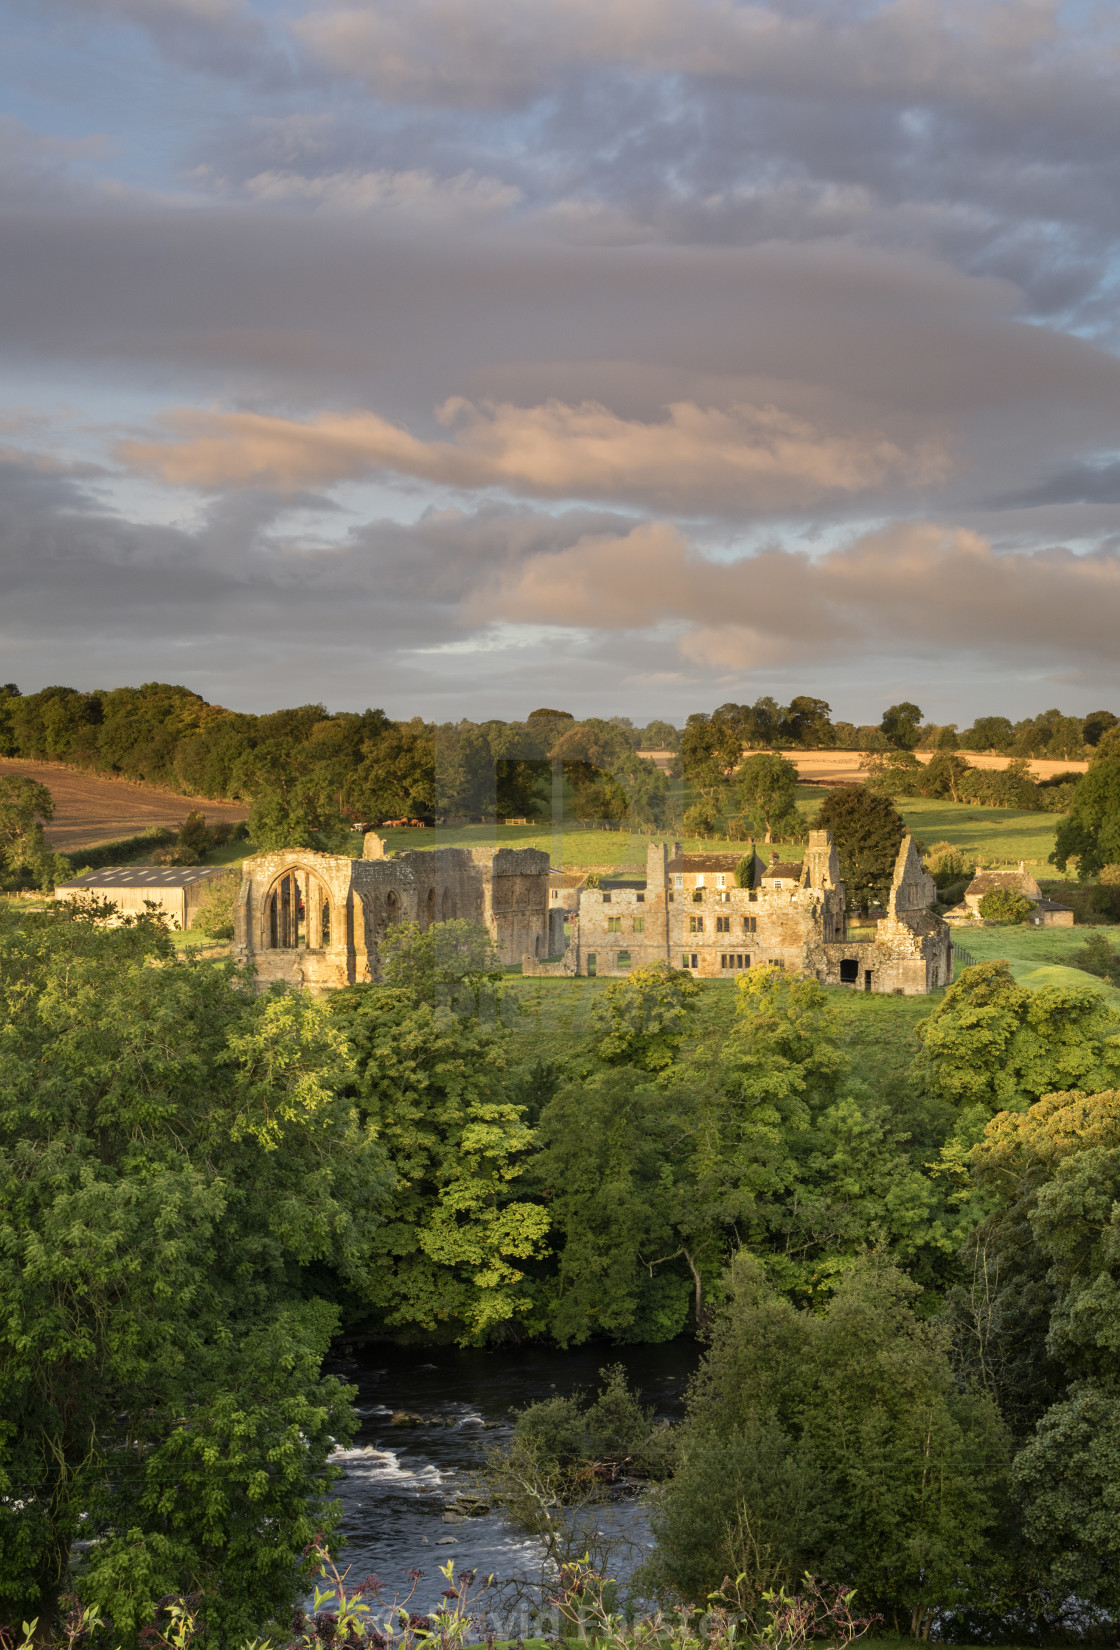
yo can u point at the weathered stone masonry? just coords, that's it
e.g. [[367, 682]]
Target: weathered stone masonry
[[691, 913], [315, 919]]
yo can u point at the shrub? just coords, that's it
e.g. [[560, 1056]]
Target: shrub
[[946, 864], [700, 820], [1005, 907]]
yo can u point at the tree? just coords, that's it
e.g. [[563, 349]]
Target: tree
[[876, 1471], [767, 785], [988, 733], [808, 721], [1091, 830], [992, 1045], [174, 1152], [710, 750], [901, 725], [641, 1020], [868, 831], [436, 964], [944, 773], [429, 1083], [1097, 723], [1051, 1278], [1005, 907], [24, 804]]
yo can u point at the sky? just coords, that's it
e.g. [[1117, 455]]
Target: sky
[[461, 357]]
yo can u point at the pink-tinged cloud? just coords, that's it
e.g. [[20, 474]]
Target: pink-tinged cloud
[[918, 587], [695, 458]]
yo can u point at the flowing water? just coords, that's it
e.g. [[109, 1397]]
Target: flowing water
[[400, 1480]]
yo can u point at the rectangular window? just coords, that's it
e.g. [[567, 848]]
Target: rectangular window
[[606, 899], [591, 962], [622, 959], [750, 925], [640, 898], [639, 925], [684, 960], [695, 962], [678, 880], [723, 925], [721, 881], [696, 925], [723, 960], [614, 925], [699, 883]]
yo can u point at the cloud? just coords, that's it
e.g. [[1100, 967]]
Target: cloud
[[919, 588], [491, 51], [695, 458]]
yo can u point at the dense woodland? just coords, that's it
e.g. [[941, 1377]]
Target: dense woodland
[[307, 773], [895, 1228], [892, 1222]]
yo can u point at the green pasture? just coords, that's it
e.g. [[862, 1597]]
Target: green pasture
[[1038, 956]]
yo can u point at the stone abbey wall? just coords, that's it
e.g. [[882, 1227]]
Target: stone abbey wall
[[316, 920], [692, 914]]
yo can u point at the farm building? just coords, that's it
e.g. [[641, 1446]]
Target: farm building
[[1047, 913], [176, 890]]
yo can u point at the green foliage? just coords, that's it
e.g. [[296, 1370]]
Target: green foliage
[[701, 820], [868, 831], [1091, 831], [947, 864], [24, 855], [882, 1473], [744, 872], [901, 725], [173, 1151], [1098, 957], [1045, 1329], [767, 786], [428, 1082], [214, 914], [988, 733], [710, 750], [896, 773], [447, 962], [944, 775], [1010, 787], [992, 1045], [641, 1020], [1005, 907]]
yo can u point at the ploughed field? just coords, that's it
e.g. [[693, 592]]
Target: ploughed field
[[90, 808]]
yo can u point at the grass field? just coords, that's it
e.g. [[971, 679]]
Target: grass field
[[1038, 956]]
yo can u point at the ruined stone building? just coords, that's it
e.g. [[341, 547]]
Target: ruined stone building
[[315, 920], [690, 912]]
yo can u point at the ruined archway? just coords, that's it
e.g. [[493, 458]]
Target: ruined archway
[[445, 906], [297, 912], [430, 908]]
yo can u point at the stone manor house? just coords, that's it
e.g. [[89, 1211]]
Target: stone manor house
[[315, 919]]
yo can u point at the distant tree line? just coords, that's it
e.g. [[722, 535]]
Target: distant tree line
[[309, 774]]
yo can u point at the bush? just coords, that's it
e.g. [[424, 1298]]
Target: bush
[[1005, 908], [1010, 787], [1097, 957], [701, 820], [215, 914], [947, 864]]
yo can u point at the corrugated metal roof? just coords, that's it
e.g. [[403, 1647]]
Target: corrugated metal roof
[[142, 876]]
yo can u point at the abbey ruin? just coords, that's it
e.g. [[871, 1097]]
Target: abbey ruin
[[690, 912], [315, 920]]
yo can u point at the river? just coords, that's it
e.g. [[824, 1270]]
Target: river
[[400, 1480]]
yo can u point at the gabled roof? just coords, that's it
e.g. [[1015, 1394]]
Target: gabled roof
[[789, 870], [142, 876], [707, 862], [1018, 882]]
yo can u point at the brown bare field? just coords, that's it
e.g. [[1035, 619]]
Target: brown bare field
[[90, 808]]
